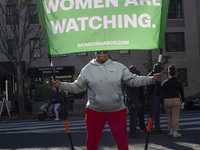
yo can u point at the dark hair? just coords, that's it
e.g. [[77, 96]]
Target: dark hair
[[172, 70]]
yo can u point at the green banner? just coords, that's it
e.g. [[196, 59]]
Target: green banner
[[72, 26]]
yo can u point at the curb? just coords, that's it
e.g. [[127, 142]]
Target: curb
[[6, 118]]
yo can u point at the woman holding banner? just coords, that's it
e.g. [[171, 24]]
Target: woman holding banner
[[103, 79]]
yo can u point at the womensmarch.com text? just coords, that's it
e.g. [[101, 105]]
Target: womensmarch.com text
[[103, 43]]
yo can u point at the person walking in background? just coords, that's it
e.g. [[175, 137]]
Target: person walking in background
[[34, 84], [156, 106], [103, 80], [28, 101], [133, 105], [172, 94], [16, 96], [141, 106], [56, 103]]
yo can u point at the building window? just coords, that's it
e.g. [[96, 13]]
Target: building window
[[35, 51], [81, 54], [11, 14], [11, 48], [32, 14], [182, 76], [124, 52], [174, 42], [175, 9]]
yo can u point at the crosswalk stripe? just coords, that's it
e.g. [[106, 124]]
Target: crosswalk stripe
[[185, 120]]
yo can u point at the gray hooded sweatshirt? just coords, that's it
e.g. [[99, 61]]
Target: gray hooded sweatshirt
[[104, 83]]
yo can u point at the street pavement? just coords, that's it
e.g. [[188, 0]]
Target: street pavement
[[30, 134]]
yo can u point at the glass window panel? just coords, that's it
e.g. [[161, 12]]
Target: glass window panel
[[182, 76], [174, 42], [32, 14], [11, 48], [11, 14], [35, 47], [175, 9]]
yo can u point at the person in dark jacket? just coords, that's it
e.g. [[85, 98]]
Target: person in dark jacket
[[141, 97], [16, 100], [156, 107], [133, 102], [28, 101], [56, 103], [172, 94]]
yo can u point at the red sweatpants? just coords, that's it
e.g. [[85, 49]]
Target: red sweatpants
[[95, 122]]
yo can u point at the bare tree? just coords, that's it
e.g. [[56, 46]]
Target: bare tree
[[16, 30], [149, 65]]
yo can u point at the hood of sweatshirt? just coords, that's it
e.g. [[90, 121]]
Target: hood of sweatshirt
[[94, 62]]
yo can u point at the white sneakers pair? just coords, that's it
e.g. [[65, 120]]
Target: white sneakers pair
[[174, 133], [56, 119], [171, 132]]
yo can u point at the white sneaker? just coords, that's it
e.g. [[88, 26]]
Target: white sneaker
[[171, 132], [176, 134], [56, 119]]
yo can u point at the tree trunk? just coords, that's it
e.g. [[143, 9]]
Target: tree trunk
[[20, 87]]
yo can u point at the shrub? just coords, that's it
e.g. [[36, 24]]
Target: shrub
[[43, 91]]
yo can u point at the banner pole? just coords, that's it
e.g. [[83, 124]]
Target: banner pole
[[62, 104], [150, 122]]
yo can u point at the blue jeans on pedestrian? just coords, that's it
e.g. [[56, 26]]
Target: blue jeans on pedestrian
[[157, 113]]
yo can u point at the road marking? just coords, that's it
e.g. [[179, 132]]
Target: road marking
[[187, 122]]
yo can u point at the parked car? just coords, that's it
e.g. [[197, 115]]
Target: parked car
[[193, 101]]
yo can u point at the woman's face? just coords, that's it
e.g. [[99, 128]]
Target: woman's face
[[102, 56]]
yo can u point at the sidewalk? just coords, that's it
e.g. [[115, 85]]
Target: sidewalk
[[14, 117]]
